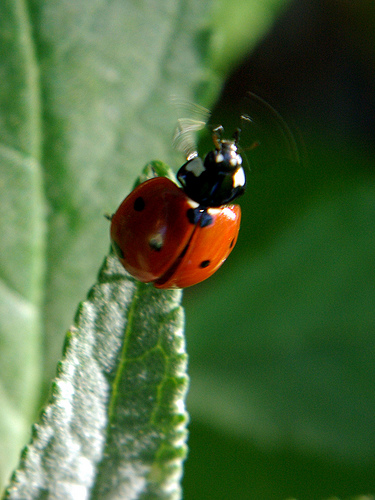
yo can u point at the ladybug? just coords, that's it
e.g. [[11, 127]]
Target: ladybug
[[176, 236]]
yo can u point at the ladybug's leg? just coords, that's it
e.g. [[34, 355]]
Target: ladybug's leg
[[217, 134], [236, 135], [199, 215]]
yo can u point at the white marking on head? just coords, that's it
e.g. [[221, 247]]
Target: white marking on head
[[195, 166], [239, 178], [219, 157], [235, 159]]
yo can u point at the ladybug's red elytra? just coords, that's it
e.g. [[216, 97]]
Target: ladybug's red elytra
[[176, 236]]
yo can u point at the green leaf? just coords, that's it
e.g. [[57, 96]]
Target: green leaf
[[115, 423], [22, 228]]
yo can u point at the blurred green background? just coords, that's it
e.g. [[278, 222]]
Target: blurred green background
[[282, 340]]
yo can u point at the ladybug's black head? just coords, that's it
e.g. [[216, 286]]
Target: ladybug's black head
[[218, 179], [225, 157]]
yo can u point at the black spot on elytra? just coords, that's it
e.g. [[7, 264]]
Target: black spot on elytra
[[204, 263], [199, 215], [139, 204], [231, 244]]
